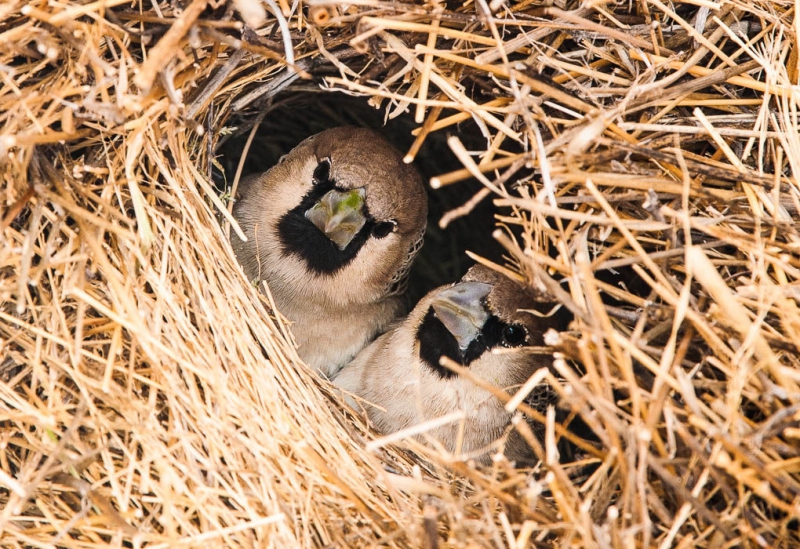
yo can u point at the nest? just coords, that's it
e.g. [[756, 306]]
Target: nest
[[640, 163]]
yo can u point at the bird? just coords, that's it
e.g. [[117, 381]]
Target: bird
[[333, 229], [400, 382]]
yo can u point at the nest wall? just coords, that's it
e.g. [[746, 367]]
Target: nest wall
[[640, 162]]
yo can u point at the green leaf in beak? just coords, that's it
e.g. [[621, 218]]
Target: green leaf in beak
[[339, 215]]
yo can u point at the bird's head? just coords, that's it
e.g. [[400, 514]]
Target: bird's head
[[485, 322], [341, 215]]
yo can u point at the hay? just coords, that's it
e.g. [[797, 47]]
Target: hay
[[645, 155]]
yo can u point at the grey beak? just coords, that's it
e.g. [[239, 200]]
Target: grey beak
[[339, 215], [460, 308]]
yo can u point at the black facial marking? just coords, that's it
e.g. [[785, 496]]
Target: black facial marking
[[322, 173], [435, 341], [383, 228], [300, 237]]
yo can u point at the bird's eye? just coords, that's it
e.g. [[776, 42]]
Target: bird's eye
[[322, 173], [514, 335], [383, 228]]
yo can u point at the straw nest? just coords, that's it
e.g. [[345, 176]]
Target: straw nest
[[641, 160]]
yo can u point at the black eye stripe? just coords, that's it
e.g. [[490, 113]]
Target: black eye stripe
[[435, 341], [496, 333], [383, 228]]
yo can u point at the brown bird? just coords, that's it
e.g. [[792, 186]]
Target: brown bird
[[403, 384], [333, 229]]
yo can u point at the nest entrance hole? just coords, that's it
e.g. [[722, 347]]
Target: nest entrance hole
[[296, 115]]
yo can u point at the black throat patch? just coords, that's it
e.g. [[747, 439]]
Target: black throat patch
[[435, 341], [300, 237]]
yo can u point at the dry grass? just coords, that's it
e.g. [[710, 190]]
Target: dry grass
[[148, 396]]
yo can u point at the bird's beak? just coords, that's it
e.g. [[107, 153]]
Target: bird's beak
[[462, 311], [339, 215]]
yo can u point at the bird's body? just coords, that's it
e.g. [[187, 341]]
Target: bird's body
[[401, 383], [333, 229]]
